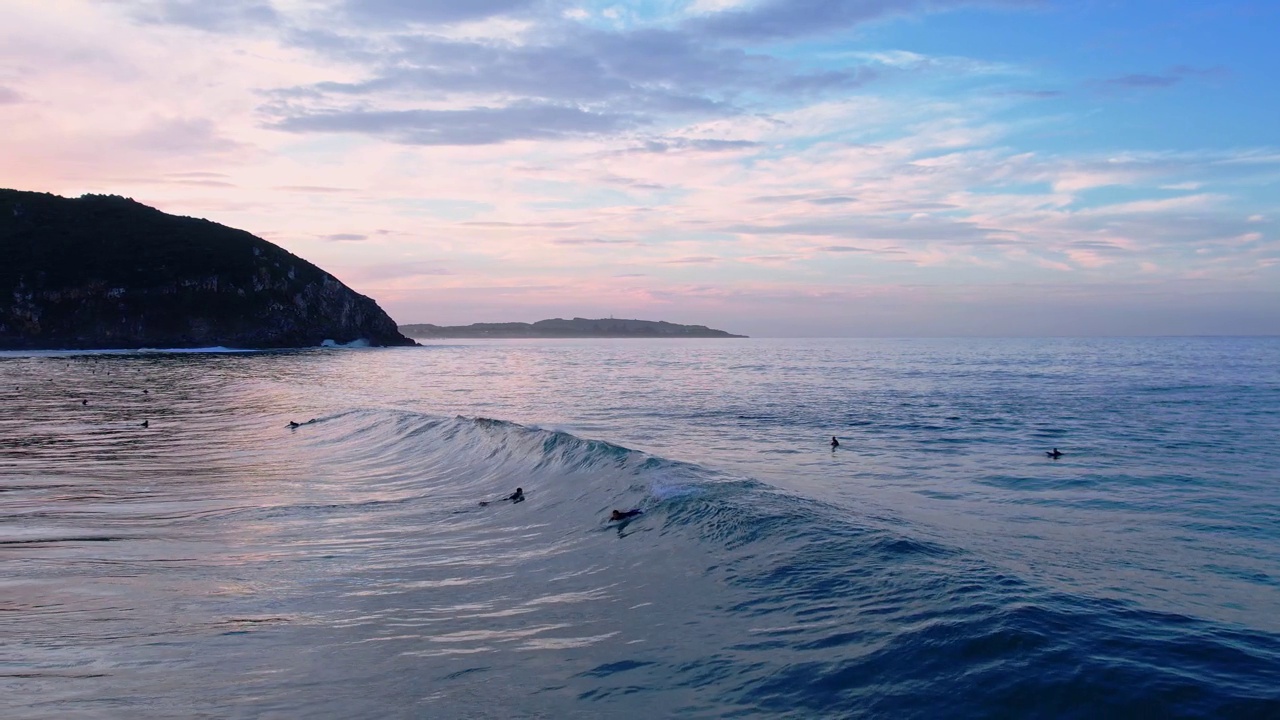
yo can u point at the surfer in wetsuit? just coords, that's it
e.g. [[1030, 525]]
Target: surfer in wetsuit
[[834, 442], [1055, 454], [619, 515], [515, 497]]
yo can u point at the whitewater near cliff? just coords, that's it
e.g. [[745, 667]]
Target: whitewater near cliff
[[937, 564]]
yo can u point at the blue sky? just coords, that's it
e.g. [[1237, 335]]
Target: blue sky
[[811, 167]]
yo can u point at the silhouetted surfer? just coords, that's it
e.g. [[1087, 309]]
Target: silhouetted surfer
[[1055, 454], [146, 423], [295, 425], [834, 442], [619, 515], [515, 497]]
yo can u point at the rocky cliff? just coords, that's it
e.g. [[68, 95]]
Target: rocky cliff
[[107, 272]]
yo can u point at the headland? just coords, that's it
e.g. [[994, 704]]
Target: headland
[[106, 272], [559, 328]]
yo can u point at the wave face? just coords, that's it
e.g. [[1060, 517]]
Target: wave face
[[221, 562]]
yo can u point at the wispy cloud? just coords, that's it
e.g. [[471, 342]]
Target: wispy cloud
[[473, 126], [430, 12], [695, 260], [224, 16], [313, 189], [1149, 81], [782, 19], [852, 249], [592, 241]]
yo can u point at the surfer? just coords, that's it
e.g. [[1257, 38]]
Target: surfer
[[1055, 454], [146, 423], [834, 442], [515, 497], [620, 515], [295, 425]]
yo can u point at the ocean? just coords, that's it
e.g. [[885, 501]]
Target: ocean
[[218, 563]]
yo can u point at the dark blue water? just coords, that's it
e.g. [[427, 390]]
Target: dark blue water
[[217, 563]]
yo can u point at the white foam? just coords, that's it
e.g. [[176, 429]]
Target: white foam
[[359, 343]]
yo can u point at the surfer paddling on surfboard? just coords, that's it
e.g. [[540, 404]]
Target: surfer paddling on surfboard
[[515, 497]]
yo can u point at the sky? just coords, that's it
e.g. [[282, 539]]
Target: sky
[[768, 167]]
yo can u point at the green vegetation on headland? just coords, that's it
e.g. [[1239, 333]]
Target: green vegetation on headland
[[104, 271], [575, 328]]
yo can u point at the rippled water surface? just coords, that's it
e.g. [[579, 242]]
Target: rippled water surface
[[217, 563]]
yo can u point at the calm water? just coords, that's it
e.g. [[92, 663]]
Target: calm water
[[219, 564]]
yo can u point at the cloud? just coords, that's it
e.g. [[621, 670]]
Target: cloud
[[9, 96], [637, 77], [666, 145], [1174, 76], [789, 19], [222, 16], [1098, 245], [1033, 94], [905, 60], [631, 183], [177, 135], [1161, 205], [385, 272], [692, 260], [660, 69], [205, 183], [313, 189], [473, 126], [430, 12], [531, 224], [874, 227], [344, 237], [852, 249], [592, 241], [197, 175], [1139, 80]]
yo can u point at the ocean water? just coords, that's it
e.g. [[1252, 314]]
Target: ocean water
[[936, 565]]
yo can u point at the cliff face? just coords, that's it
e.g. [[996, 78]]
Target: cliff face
[[107, 272]]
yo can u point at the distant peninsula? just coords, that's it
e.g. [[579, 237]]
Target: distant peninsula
[[575, 328], [106, 272]]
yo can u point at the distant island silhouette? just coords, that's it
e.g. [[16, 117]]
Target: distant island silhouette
[[559, 328], [106, 272]]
